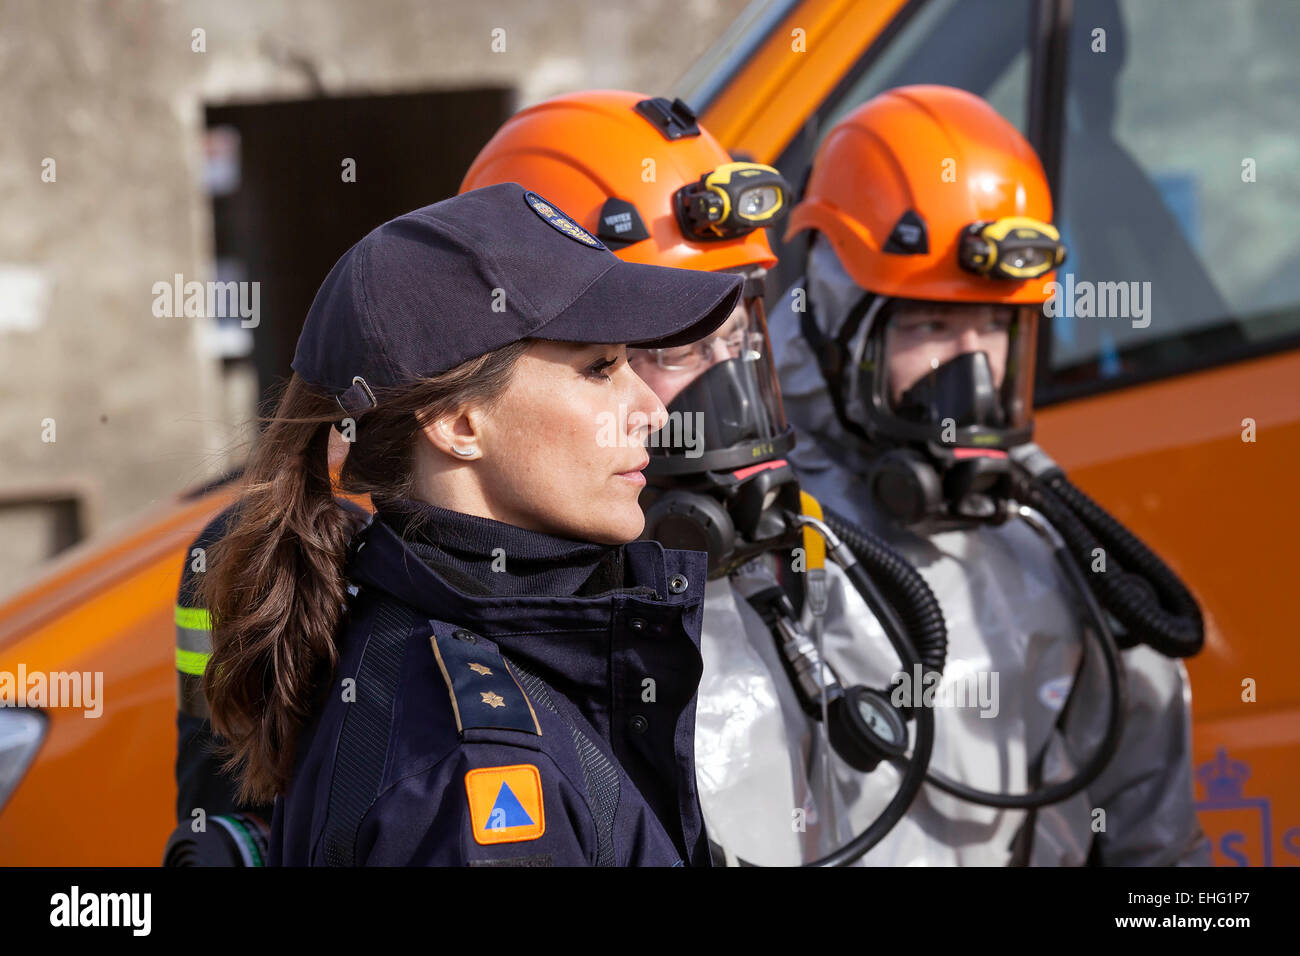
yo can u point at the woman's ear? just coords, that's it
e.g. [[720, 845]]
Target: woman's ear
[[456, 434]]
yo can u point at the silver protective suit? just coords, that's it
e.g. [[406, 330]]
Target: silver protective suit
[[754, 746], [1015, 640]]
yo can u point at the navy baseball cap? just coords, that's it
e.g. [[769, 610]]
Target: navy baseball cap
[[455, 280]]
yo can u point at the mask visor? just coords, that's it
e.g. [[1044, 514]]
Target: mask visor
[[953, 372], [723, 400]]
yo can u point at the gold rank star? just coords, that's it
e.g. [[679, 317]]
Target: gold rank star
[[480, 669], [493, 700]]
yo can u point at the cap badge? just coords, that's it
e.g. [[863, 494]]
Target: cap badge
[[563, 223]]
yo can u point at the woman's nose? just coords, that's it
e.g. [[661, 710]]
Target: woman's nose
[[719, 351], [648, 404]]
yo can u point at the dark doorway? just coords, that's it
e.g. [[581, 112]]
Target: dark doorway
[[283, 212]]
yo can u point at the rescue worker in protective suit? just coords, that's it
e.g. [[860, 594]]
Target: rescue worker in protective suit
[[718, 475], [905, 355]]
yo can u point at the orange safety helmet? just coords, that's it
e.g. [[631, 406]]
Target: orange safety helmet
[[614, 162], [918, 188]]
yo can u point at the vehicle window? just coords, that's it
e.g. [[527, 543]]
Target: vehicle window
[[1178, 193]]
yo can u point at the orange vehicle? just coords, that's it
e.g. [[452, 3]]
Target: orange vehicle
[[1166, 377]]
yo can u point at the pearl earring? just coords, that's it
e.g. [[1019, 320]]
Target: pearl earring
[[464, 452]]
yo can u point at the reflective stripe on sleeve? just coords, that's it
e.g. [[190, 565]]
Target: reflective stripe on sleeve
[[191, 662], [193, 618]]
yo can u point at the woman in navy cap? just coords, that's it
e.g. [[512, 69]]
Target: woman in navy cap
[[484, 671]]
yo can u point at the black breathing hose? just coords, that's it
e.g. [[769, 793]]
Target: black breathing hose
[[1116, 705], [914, 772], [1134, 585], [913, 778], [903, 587], [918, 607]]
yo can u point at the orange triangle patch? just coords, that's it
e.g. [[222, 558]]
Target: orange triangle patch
[[505, 804]]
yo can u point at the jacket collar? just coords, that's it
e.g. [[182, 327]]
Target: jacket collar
[[381, 559]]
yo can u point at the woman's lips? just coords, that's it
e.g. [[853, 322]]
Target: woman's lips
[[635, 475]]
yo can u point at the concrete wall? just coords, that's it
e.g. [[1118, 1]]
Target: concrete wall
[[113, 93]]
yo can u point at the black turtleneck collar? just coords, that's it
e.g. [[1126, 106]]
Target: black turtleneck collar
[[484, 557]]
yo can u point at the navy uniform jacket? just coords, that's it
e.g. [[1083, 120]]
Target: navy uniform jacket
[[487, 731]]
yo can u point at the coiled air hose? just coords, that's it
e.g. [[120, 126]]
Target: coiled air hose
[[1134, 585], [903, 587], [914, 769], [894, 569]]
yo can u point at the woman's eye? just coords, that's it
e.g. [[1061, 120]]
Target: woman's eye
[[597, 370]]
